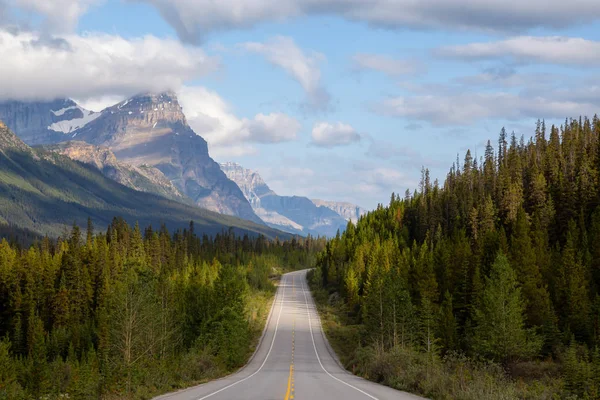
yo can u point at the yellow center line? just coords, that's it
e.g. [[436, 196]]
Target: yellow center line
[[289, 394]]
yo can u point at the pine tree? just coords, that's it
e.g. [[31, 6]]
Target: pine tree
[[500, 326]]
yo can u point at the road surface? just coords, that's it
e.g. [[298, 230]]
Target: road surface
[[292, 360]]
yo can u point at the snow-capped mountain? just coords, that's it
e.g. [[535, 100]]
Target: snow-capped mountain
[[45, 122]]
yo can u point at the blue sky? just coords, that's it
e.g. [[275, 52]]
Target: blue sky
[[333, 99]]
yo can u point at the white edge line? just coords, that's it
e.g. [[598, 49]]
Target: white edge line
[[304, 287], [266, 357]]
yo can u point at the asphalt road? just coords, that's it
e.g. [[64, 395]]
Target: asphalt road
[[292, 361]]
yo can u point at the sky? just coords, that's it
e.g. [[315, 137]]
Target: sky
[[334, 99]]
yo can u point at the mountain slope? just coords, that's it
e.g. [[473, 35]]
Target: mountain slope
[[351, 212], [151, 129], [44, 191], [45, 122], [293, 214], [143, 178]]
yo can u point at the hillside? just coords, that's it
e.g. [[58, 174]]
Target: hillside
[[142, 178], [44, 191]]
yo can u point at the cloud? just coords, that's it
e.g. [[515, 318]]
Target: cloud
[[212, 118], [95, 65], [325, 134], [272, 128], [58, 15], [387, 65], [465, 108], [98, 103], [530, 49], [283, 52], [194, 19]]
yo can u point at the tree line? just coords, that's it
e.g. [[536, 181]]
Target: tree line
[[129, 313], [500, 262]]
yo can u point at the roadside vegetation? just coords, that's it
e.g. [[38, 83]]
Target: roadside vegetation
[[484, 287], [129, 314]]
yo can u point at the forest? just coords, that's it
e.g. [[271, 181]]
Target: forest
[[484, 286], [131, 313]]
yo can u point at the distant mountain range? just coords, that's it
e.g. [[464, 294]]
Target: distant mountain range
[[146, 144], [293, 214], [45, 191], [349, 211]]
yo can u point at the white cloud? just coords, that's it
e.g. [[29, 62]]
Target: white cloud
[[387, 65], [325, 134], [193, 19], [531, 49], [283, 52], [95, 65], [466, 108], [99, 103], [272, 128], [59, 15], [212, 118]]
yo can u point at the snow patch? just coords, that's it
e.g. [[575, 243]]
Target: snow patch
[[68, 126], [63, 110]]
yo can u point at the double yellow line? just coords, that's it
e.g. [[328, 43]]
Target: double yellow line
[[289, 395]]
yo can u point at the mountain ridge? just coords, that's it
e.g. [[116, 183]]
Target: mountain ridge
[[44, 191]]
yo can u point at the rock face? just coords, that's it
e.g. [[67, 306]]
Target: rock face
[[143, 178], [45, 122], [349, 211], [146, 130], [293, 214]]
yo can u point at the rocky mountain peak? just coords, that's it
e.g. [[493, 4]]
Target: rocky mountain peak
[[149, 109], [252, 184]]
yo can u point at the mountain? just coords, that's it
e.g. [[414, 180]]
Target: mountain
[[45, 191], [292, 214], [45, 122], [142, 178], [151, 129], [349, 211]]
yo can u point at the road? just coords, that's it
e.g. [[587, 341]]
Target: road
[[292, 360]]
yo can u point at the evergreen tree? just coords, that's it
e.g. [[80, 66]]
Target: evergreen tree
[[500, 331]]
